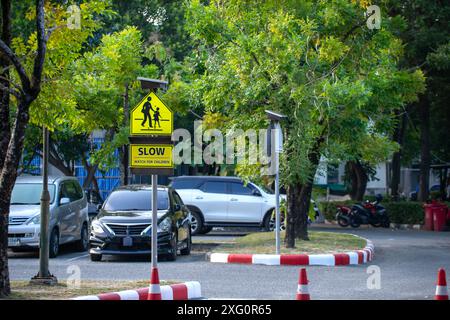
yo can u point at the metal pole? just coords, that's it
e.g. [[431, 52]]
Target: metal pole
[[45, 201], [154, 220], [277, 204]]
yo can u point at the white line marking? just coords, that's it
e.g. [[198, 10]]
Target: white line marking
[[79, 257]]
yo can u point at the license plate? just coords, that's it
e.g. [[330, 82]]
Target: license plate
[[127, 241], [12, 242]]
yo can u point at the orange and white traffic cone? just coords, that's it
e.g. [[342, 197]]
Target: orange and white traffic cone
[[302, 289], [441, 287], [154, 292]]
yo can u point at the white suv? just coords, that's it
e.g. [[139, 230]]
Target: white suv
[[224, 202]]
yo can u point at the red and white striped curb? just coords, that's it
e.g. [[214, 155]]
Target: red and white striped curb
[[333, 259], [180, 291]]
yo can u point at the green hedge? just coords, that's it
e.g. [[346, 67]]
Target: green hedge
[[402, 212]]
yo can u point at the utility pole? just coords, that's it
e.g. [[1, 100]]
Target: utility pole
[[44, 276]]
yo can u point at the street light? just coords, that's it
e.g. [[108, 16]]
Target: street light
[[275, 119], [44, 276]]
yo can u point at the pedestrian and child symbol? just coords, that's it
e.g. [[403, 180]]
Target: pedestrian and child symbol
[[151, 117], [146, 111]]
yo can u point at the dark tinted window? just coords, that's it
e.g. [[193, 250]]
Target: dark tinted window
[[214, 187], [66, 191], [71, 190], [78, 191], [135, 200], [240, 189], [186, 184]]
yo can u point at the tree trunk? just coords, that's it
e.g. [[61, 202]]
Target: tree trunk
[[90, 178], [350, 172], [124, 152], [398, 137], [5, 127], [299, 200], [358, 177], [7, 179], [424, 178], [30, 88], [5, 130], [55, 160]]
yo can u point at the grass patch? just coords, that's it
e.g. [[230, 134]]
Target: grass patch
[[22, 290], [320, 242]]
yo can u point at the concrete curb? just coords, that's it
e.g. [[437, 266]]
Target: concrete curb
[[403, 226], [332, 259], [180, 291]]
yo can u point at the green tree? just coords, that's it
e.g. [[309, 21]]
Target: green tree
[[316, 62], [13, 135], [422, 125], [27, 73]]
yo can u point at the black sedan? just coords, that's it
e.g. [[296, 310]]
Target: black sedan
[[123, 225]]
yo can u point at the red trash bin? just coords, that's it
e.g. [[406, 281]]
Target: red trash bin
[[429, 208], [439, 217]]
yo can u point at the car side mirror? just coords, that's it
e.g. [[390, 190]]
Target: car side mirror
[[256, 193], [64, 201]]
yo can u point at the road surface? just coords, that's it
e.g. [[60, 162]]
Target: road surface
[[408, 262]]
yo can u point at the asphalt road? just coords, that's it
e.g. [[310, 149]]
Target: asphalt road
[[407, 260]]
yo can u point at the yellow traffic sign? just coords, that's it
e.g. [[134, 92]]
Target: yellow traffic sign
[[151, 156], [151, 117]]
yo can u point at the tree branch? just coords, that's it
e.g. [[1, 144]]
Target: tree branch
[[18, 66], [42, 43], [359, 25], [9, 90]]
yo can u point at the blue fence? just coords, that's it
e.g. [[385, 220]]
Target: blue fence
[[107, 181]]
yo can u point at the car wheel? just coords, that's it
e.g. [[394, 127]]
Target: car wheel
[[196, 223], [96, 257], [83, 243], [187, 251], [269, 223], [205, 230], [173, 246], [54, 244]]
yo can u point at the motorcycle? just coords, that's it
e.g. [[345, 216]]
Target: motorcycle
[[372, 213], [343, 216]]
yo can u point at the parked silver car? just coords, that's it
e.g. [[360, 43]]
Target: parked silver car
[[69, 221]]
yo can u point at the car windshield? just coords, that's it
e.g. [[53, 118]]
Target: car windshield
[[135, 200], [30, 193]]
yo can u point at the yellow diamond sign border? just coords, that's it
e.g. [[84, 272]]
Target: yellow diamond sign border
[[147, 116]]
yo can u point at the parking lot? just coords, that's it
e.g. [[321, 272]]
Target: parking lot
[[408, 262]]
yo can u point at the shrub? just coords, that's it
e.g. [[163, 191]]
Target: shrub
[[402, 212], [405, 212]]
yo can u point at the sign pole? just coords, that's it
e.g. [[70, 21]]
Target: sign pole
[[151, 127], [276, 136], [277, 202], [154, 221]]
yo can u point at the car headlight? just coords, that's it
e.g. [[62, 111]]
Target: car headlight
[[97, 228], [165, 225], [35, 220]]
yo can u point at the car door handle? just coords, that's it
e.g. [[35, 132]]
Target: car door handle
[[233, 199], [198, 197]]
